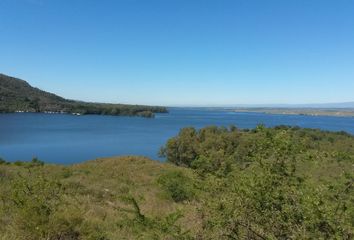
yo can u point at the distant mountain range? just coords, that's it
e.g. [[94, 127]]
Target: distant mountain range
[[17, 95]]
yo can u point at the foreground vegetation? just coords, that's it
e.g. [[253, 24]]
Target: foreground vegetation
[[18, 96], [219, 183]]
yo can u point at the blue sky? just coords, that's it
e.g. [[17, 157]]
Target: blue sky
[[182, 52]]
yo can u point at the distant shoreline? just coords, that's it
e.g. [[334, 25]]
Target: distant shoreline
[[331, 112]]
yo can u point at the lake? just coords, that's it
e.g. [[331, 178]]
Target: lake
[[66, 139]]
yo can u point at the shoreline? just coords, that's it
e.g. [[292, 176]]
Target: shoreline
[[300, 112]]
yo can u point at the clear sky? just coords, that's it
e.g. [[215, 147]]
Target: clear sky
[[182, 52]]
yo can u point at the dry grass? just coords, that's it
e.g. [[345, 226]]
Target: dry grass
[[96, 191]]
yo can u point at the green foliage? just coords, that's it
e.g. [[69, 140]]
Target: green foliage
[[264, 183], [34, 209], [181, 150], [271, 200], [270, 183], [2, 161], [178, 186], [214, 150], [146, 114], [36, 162]]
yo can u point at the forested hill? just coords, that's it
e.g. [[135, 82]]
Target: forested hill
[[17, 95]]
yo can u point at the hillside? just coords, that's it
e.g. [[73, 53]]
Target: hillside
[[219, 183], [17, 95]]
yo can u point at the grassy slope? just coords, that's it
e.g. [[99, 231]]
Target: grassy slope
[[95, 193], [136, 176]]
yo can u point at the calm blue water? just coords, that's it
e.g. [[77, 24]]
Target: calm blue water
[[71, 139]]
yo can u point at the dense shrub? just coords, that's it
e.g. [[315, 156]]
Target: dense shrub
[[178, 186], [270, 183], [213, 149], [2, 161]]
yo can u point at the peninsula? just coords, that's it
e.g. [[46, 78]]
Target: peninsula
[[17, 95]]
